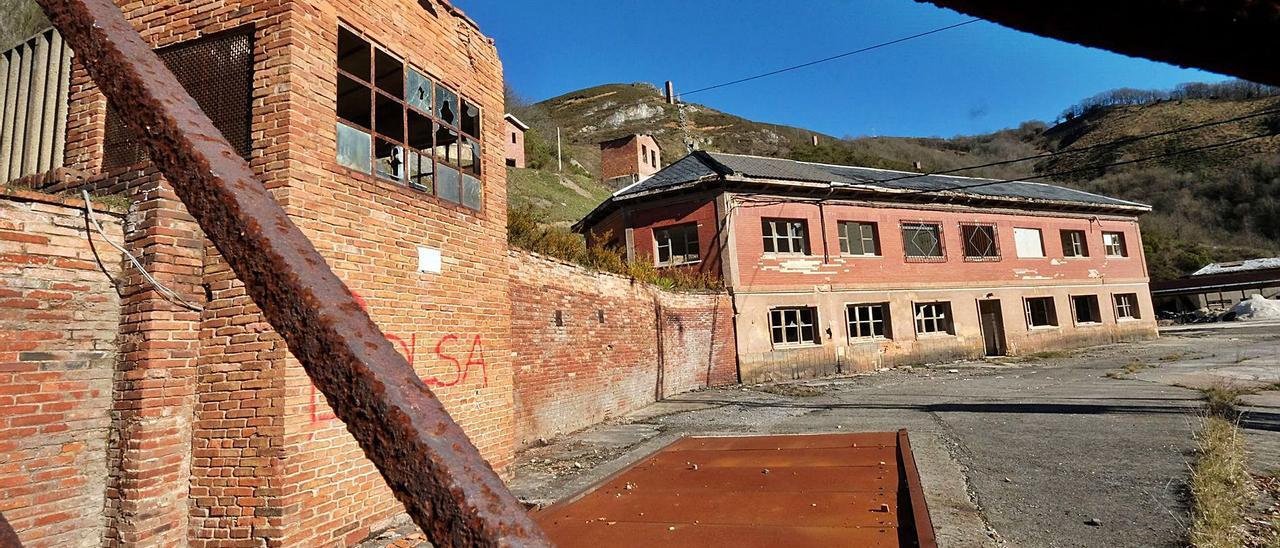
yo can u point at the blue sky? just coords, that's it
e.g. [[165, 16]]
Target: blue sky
[[973, 79]]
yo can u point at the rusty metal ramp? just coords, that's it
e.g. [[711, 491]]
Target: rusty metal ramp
[[859, 489]]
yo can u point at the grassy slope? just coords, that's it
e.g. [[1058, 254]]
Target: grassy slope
[[544, 191]]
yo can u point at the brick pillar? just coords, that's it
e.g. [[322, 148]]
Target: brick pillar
[[150, 446]]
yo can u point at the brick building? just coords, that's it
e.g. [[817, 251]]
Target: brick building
[[626, 160], [836, 268], [378, 127], [513, 142]]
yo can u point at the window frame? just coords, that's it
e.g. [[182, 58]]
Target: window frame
[[938, 234], [474, 143], [1050, 313], [781, 312], [946, 317], [768, 234], [685, 230], [845, 241], [1123, 245], [1133, 305], [1078, 249], [995, 241], [1017, 249], [1075, 311], [885, 322]]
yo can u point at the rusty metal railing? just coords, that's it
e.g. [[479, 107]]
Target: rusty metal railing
[[424, 456]]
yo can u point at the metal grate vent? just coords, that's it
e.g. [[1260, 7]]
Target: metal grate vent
[[217, 70]]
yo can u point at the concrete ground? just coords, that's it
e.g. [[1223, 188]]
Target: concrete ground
[[1064, 450]]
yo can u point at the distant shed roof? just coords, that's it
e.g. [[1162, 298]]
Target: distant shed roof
[[1239, 266]]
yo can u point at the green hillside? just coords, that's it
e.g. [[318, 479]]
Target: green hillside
[[1214, 205]]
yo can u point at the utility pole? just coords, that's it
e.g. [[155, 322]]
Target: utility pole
[[559, 158]]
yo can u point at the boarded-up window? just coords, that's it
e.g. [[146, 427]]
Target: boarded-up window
[[217, 70], [1029, 243]]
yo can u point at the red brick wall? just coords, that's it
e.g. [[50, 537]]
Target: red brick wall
[[250, 452], [757, 269], [623, 158], [59, 318], [587, 345], [513, 143]]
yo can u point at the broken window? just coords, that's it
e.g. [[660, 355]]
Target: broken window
[[868, 321], [1028, 242], [677, 245], [792, 326], [980, 242], [1074, 244], [1127, 306], [858, 238], [785, 236], [922, 242], [395, 122], [1113, 242], [1086, 309], [1040, 312], [934, 318]]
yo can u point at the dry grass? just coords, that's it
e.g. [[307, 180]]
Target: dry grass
[[1135, 366], [1221, 400], [1050, 355], [1172, 357], [791, 390], [1221, 486]]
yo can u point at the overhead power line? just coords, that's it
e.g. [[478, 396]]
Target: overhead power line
[[1112, 143], [833, 57], [1091, 167]]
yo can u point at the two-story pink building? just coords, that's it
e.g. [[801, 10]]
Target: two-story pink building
[[838, 268]]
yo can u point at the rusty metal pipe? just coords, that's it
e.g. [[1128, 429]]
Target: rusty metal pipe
[[424, 456]]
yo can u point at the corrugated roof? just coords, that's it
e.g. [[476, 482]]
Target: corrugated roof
[[701, 165], [1239, 266]]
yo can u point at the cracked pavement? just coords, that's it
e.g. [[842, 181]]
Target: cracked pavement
[[1037, 452]]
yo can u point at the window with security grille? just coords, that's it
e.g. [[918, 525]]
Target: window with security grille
[[792, 326], [677, 245], [1113, 243], [934, 318], [785, 236], [1040, 312], [1086, 309], [868, 321], [980, 242], [1127, 306], [217, 71], [398, 123], [1028, 242], [923, 242], [858, 238], [1074, 244]]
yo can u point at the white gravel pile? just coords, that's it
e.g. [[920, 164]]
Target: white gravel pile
[[1257, 308]]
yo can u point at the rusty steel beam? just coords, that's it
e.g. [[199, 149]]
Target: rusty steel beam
[[1235, 37], [8, 538], [424, 456]]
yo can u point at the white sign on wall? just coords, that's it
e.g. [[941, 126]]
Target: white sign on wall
[[429, 260]]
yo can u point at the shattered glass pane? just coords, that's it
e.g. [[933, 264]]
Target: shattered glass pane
[[418, 89], [446, 105], [389, 160]]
